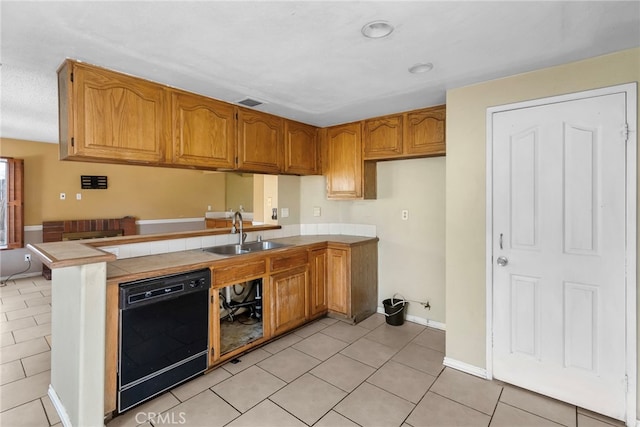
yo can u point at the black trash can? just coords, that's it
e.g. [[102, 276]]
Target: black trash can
[[394, 310]]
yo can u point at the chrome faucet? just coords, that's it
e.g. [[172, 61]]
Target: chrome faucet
[[242, 236]]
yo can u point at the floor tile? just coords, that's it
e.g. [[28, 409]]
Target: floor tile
[[205, 409], [28, 415], [393, 336], [421, 358], [345, 332], [6, 339], [140, 414], [27, 312], [266, 413], [288, 364], [27, 334], [43, 318], [596, 420], [334, 419], [25, 390], [282, 343], [437, 411], [14, 325], [370, 406], [554, 410], [327, 320], [246, 361], [310, 329], [403, 381], [50, 410], [600, 417], [38, 301], [308, 398], [370, 352], [474, 392], [37, 363], [343, 372], [20, 297], [248, 388], [320, 346], [373, 321], [11, 371], [508, 416], [13, 306], [6, 291], [23, 349], [431, 338], [200, 384]]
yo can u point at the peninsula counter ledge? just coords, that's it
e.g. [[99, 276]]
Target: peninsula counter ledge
[[80, 272]]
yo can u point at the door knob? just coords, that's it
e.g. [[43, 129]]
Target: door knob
[[502, 261]]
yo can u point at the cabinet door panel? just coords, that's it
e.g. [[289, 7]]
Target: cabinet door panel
[[383, 137], [289, 306], [338, 284], [260, 142], [203, 132], [318, 295], [301, 149], [118, 117], [344, 162], [425, 131]]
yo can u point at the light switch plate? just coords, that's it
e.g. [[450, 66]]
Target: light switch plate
[[284, 212], [316, 211]]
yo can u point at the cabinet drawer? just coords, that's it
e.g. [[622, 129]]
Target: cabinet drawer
[[239, 273], [289, 260]]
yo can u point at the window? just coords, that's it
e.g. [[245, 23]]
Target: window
[[11, 206]]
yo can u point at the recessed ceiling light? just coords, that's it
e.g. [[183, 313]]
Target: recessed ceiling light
[[421, 68], [377, 29]]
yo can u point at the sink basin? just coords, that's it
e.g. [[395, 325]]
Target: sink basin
[[244, 248]]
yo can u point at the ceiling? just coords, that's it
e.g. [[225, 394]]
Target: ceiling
[[305, 60]]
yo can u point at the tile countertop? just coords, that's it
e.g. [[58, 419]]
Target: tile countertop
[[173, 262]]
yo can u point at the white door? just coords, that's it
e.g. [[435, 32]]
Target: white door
[[559, 225]]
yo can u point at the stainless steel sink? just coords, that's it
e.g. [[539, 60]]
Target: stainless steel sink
[[244, 248]]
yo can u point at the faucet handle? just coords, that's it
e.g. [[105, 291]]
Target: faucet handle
[[259, 238], [234, 230]]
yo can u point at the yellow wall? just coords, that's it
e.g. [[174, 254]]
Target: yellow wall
[[140, 191], [239, 191], [465, 181]]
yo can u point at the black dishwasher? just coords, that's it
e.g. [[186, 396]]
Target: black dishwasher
[[163, 334]]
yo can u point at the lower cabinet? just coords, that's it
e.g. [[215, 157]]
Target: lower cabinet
[[289, 296]]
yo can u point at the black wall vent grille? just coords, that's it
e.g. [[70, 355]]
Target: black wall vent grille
[[92, 182]]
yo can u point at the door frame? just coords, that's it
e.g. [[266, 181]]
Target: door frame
[[631, 196]]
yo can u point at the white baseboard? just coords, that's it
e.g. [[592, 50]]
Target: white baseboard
[[57, 404], [421, 321], [465, 367]]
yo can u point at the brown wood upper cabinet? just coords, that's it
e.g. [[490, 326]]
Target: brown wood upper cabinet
[[204, 131], [301, 156], [260, 142], [418, 133], [106, 115], [348, 177]]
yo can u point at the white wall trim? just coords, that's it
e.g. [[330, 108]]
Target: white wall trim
[[33, 227], [168, 221], [421, 321], [465, 367], [630, 90], [57, 404]]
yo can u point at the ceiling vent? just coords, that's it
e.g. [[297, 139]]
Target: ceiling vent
[[250, 102]]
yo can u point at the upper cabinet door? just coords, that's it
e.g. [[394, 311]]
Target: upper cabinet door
[[383, 137], [115, 116], [203, 132], [425, 131], [344, 162], [300, 148], [260, 142]]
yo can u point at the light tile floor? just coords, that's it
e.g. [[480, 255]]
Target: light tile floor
[[327, 373]]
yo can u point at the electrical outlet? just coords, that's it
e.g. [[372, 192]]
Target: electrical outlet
[[405, 214], [63, 196], [284, 212], [27, 257], [78, 196]]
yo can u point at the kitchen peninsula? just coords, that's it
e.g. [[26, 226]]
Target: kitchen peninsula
[[307, 277]]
